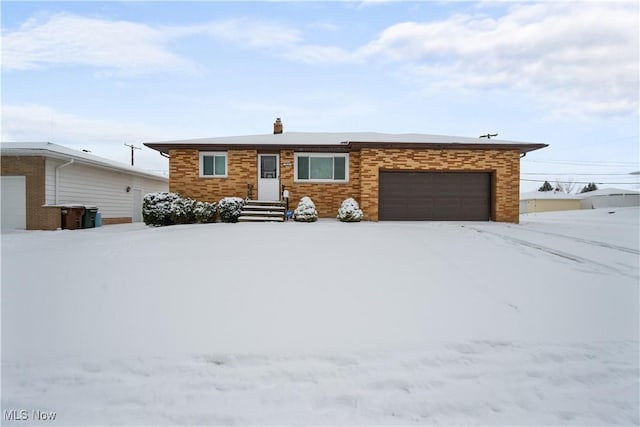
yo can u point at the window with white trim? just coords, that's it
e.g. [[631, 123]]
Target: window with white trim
[[213, 164], [321, 167]]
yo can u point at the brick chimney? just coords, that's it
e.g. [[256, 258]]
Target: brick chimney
[[277, 126]]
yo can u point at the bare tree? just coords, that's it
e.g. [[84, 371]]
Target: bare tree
[[566, 186]]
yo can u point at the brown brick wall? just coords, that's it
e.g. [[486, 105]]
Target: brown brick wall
[[33, 168], [184, 175], [503, 164], [364, 167], [50, 219], [326, 196]]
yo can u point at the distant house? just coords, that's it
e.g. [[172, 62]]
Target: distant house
[[610, 198], [547, 201], [392, 176], [38, 178]]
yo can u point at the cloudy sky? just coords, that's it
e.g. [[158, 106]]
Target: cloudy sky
[[96, 75]]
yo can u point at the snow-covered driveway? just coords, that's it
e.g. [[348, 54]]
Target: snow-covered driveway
[[326, 323]]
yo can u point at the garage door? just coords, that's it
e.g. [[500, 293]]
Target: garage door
[[436, 196], [14, 202]]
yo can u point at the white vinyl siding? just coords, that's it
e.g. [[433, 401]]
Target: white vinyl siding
[[213, 164], [95, 186], [321, 167]]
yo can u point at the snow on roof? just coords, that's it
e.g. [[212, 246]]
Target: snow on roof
[[549, 195], [610, 192], [49, 149], [333, 138]]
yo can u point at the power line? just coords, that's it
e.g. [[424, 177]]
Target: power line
[[564, 173], [578, 162], [580, 182]]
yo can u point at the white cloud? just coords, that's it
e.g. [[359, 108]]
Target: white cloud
[[365, 3], [314, 54], [274, 39], [576, 57], [250, 33], [126, 48], [38, 123]]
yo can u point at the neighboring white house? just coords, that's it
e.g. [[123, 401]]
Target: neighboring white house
[[610, 198], [38, 178]]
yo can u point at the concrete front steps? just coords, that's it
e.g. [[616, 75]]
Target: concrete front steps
[[262, 211]]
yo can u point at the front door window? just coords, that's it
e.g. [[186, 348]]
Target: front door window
[[268, 167]]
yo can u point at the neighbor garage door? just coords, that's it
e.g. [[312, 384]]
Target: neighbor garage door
[[436, 196], [14, 202]]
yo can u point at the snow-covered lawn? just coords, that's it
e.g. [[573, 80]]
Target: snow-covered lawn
[[326, 323]]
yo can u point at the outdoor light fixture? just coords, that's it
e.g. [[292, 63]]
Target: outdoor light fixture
[[128, 189]]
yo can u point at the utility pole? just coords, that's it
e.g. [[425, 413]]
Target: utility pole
[[132, 148]]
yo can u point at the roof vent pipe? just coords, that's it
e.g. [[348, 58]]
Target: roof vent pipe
[[277, 126]]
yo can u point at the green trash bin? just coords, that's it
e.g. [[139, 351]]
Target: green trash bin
[[89, 217]]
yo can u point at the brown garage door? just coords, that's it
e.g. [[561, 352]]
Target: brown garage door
[[436, 196]]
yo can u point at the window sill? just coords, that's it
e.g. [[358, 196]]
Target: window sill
[[319, 181]]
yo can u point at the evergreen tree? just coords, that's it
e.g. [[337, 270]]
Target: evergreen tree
[[546, 187], [589, 187]]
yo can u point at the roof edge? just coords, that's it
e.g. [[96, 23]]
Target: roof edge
[[164, 147], [46, 151]]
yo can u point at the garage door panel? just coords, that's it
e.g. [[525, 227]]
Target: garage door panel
[[439, 196], [13, 202]]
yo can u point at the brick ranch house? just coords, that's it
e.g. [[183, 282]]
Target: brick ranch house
[[392, 176]]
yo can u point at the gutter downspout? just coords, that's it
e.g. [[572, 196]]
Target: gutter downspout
[[58, 177]]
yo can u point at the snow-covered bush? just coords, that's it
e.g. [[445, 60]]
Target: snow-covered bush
[[350, 211], [205, 212], [229, 209], [306, 211], [156, 208], [182, 211]]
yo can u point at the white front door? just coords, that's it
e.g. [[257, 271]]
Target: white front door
[[268, 177], [14, 202]]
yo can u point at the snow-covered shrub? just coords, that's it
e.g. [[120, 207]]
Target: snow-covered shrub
[[156, 208], [182, 211], [306, 211], [350, 211], [205, 212], [229, 209]]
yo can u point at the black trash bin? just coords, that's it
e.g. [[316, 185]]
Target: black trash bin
[[89, 217], [72, 217]]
